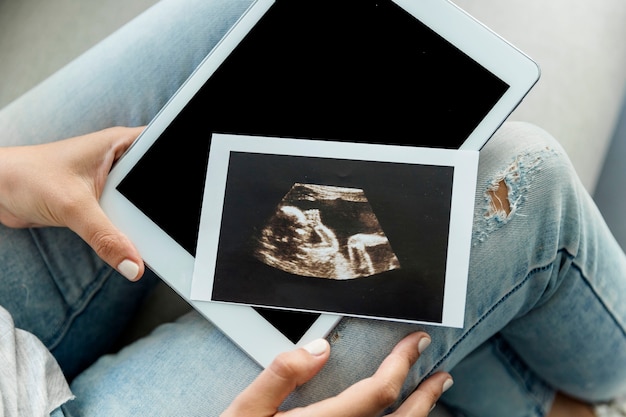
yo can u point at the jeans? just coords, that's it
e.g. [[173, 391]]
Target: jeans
[[544, 304]]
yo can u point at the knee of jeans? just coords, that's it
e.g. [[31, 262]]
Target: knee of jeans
[[520, 162]]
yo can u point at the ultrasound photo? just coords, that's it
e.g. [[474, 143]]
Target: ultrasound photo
[[328, 227]]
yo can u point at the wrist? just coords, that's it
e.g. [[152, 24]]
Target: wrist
[[4, 163], [8, 165]]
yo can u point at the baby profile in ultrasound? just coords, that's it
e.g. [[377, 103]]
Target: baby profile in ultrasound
[[325, 231]]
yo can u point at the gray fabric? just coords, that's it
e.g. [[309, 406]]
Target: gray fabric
[[609, 194], [31, 382]]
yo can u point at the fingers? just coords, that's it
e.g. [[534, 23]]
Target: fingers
[[86, 216], [369, 397], [111, 245], [425, 397], [277, 381], [123, 138]]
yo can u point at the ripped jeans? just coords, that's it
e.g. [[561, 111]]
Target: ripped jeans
[[544, 304]]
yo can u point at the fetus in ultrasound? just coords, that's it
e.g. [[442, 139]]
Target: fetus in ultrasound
[[325, 231]]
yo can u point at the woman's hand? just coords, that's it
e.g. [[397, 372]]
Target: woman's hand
[[60, 183], [368, 397]]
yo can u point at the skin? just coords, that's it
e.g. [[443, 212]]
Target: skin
[[565, 406], [59, 184], [368, 397]]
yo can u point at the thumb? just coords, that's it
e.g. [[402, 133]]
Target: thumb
[[279, 379], [111, 245]]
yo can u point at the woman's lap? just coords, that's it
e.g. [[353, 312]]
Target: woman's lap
[[529, 354]]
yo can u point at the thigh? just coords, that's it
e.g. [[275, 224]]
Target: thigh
[[45, 273], [571, 328], [56, 288], [185, 368], [558, 276], [125, 79], [493, 381]]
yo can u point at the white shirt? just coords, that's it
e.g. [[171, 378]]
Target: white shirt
[[31, 381]]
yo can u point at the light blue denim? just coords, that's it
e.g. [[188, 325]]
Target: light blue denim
[[545, 304]]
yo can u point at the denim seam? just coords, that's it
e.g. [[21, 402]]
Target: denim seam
[[531, 273], [77, 309], [74, 309], [488, 313], [610, 312], [505, 353]]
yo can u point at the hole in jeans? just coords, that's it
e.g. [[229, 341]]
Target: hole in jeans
[[499, 196]]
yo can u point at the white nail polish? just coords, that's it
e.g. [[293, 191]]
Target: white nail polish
[[316, 347], [447, 384], [128, 269], [423, 344]]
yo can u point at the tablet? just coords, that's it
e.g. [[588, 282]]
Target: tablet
[[395, 72]]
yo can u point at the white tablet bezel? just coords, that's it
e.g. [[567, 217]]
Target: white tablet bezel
[[488, 49], [175, 265]]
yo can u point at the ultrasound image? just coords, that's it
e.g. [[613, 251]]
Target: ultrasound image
[[325, 231]]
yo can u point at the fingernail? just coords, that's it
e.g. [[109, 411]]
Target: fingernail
[[447, 384], [128, 269], [423, 344], [316, 347]]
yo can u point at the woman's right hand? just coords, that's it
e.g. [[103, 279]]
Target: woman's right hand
[[368, 397], [59, 184]]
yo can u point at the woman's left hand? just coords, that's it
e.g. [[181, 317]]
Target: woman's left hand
[[367, 398], [60, 183]]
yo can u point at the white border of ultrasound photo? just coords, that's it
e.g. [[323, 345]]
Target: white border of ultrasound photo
[[465, 164]]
